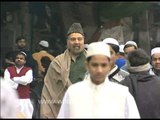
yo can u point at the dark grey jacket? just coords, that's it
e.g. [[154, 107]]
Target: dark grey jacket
[[145, 88]]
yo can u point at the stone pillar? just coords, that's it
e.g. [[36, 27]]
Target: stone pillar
[[144, 40]]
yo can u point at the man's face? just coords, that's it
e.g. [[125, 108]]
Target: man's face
[[75, 43], [128, 49], [98, 67], [114, 56], [20, 60], [21, 44], [156, 61]]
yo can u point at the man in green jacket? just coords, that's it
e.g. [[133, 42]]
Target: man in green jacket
[[64, 70]]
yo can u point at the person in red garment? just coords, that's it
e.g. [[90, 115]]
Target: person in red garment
[[19, 77]]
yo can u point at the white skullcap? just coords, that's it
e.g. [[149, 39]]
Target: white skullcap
[[44, 43], [86, 46], [111, 41], [23, 53], [155, 50], [121, 48], [98, 48], [131, 43]]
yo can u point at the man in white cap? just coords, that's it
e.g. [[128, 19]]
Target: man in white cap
[[128, 47], [155, 61], [19, 77], [39, 81], [96, 96], [116, 74], [42, 52], [66, 69]]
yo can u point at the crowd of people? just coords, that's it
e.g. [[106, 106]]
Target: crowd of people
[[103, 79]]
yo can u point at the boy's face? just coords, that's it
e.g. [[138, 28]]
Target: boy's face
[[98, 67]]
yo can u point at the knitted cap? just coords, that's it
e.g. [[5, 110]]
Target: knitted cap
[[98, 48], [75, 28]]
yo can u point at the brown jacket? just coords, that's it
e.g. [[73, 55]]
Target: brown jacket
[[37, 57], [56, 83]]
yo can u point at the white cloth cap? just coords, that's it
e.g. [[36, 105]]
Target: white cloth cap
[[111, 41], [155, 50], [86, 46], [44, 43], [98, 48], [131, 43], [121, 48]]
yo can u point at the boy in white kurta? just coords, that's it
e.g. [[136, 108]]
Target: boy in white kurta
[[96, 96]]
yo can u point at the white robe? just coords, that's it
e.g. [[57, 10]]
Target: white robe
[[107, 100]]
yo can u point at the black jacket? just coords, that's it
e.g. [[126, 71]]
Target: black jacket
[[145, 88]]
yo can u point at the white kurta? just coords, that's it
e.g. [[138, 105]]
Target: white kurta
[[107, 100], [25, 105]]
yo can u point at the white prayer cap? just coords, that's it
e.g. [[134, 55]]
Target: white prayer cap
[[111, 41], [155, 50], [131, 43], [44, 43], [86, 46], [121, 48], [98, 48]]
